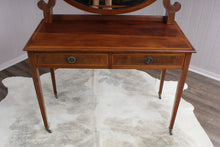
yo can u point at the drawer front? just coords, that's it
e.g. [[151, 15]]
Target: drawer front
[[148, 61], [84, 60]]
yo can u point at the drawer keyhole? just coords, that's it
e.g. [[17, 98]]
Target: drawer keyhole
[[71, 60], [148, 60]]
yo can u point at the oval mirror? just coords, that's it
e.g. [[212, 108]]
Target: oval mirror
[[109, 7]]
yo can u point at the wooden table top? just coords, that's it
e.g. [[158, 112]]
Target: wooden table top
[[108, 34]]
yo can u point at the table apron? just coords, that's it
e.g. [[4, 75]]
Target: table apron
[[110, 60]]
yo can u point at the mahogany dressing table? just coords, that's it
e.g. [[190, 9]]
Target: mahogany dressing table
[[109, 41]]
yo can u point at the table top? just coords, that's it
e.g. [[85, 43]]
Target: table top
[[118, 33]]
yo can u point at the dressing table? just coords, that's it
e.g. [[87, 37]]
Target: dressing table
[[109, 40]]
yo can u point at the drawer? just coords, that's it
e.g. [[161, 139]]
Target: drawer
[[148, 61], [84, 60]]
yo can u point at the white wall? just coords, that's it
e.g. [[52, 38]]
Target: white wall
[[16, 26], [199, 20], [18, 20]]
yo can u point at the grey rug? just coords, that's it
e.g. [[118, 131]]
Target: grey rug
[[97, 108]]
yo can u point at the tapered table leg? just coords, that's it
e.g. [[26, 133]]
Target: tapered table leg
[[179, 91], [37, 84], [53, 82], [162, 78]]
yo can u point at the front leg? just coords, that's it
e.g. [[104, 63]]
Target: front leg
[[38, 89], [179, 91]]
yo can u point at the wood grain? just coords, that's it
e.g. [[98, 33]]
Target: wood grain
[[112, 34], [83, 60], [168, 61]]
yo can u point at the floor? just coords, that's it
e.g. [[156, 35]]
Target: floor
[[203, 93]]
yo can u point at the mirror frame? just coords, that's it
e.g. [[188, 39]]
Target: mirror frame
[[109, 12]]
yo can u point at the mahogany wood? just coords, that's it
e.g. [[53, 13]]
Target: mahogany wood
[[174, 61], [108, 42], [83, 60], [37, 84], [162, 78], [171, 10], [179, 90], [53, 82], [48, 9], [115, 34], [58, 17]]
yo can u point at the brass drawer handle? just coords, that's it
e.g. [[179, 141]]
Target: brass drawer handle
[[148, 60], [71, 60]]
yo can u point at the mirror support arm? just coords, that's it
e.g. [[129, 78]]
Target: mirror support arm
[[171, 10], [48, 9]]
